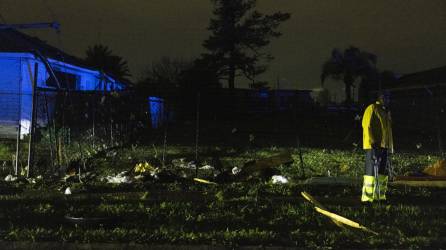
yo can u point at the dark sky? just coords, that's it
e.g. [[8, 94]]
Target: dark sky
[[406, 35]]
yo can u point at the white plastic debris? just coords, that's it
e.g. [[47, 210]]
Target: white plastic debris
[[207, 167], [67, 191], [10, 178], [139, 177], [119, 178], [279, 179], [236, 170], [182, 164]]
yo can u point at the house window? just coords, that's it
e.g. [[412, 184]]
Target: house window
[[66, 80]]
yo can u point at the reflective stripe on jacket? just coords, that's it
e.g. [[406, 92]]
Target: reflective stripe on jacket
[[377, 127]]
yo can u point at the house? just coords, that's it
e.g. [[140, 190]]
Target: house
[[24, 58], [418, 104], [423, 92]]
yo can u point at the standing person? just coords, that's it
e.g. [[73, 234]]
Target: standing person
[[377, 143]]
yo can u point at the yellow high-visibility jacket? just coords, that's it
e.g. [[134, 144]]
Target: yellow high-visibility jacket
[[377, 127]]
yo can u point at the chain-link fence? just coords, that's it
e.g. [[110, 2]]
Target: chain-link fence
[[72, 126]]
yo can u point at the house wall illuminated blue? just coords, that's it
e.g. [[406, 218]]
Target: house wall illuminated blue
[[17, 75], [156, 109]]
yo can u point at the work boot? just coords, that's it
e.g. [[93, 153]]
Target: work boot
[[368, 189], [382, 182]]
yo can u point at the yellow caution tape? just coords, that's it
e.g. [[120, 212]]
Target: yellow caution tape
[[310, 198], [204, 181], [344, 220]]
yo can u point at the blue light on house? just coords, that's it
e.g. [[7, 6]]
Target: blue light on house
[[263, 94], [156, 109]]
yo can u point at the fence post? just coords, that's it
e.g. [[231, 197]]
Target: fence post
[[197, 132], [16, 167], [33, 120]]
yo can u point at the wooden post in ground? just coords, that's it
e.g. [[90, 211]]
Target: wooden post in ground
[[33, 120], [197, 133], [17, 152]]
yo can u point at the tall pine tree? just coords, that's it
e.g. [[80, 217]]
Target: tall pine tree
[[238, 34]]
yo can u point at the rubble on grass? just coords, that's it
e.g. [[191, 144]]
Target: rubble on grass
[[279, 179]]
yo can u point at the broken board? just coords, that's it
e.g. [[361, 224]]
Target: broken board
[[266, 163]]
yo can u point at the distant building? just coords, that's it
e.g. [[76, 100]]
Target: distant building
[[423, 91], [20, 55], [259, 101], [418, 104]]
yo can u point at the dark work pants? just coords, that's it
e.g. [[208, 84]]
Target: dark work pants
[[381, 156]]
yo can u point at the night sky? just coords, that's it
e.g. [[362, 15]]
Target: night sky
[[406, 35]]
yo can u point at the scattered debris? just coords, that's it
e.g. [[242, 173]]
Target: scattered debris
[[204, 181], [10, 178], [339, 180], [145, 167], [266, 164], [236, 170], [119, 178], [144, 196], [67, 191], [279, 179], [225, 177], [431, 176], [436, 169], [344, 220], [432, 181], [181, 163], [139, 177], [206, 167], [89, 220], [31, 180], [316, 203], [337, 219]]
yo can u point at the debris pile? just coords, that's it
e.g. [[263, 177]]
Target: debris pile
[[10, 178], [436, 169], [119, 178]]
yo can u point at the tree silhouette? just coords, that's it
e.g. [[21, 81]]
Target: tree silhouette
[[238, 33], [101, 57], [164, 77], [348, 66], [374, 81]]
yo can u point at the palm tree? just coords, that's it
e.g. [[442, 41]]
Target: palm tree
[[348, 67], [100, 56]]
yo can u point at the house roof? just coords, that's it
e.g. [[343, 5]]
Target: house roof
[[422, 79], [12, 40]]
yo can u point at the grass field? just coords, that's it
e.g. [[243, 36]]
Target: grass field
[[250, 213]]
